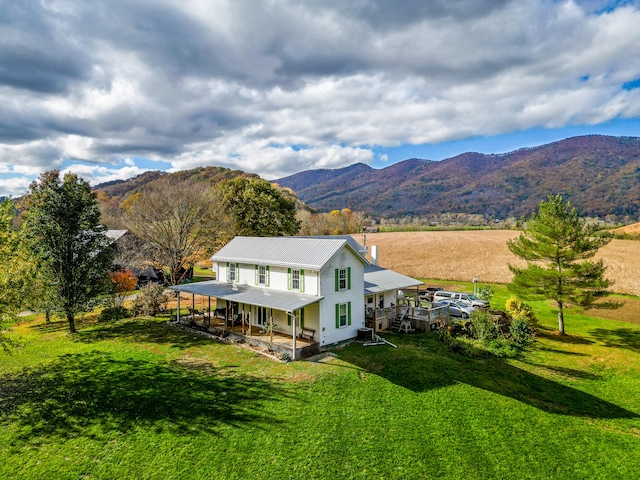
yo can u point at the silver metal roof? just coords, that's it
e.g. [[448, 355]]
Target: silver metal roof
[[378, 279], [362, 250], [262, 297], [115, 234], [303, 252]]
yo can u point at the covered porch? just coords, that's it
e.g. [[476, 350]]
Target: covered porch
[[268, 319], [383, 296]]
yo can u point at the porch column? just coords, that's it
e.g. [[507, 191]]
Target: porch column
[[271, 325], [178, 311], [242, 321], [293, 323]]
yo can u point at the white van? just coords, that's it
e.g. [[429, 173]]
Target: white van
[[466, 298]]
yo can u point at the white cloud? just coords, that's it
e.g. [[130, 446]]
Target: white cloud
[[295, 86], [14, 187]]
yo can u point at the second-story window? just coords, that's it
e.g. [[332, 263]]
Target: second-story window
[[295, 279], [233, 273], [342, 278], [262, 275]]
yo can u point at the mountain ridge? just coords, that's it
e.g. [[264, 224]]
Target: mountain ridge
[[599, 174]]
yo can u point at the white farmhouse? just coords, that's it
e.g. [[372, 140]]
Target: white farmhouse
[[315, 291]]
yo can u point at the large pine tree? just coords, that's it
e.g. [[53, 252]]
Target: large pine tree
[[559, 247]]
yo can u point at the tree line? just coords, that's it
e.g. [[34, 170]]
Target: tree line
[[56, 256]]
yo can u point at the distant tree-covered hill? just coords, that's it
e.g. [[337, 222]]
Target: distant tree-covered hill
[[599, 174], [125, 188]]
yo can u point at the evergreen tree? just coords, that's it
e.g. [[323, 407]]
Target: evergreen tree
[[64, 234], [558, 246]]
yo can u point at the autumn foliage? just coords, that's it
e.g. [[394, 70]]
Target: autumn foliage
[[122, 282]]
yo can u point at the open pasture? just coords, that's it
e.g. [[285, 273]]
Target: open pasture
[[483, 254]]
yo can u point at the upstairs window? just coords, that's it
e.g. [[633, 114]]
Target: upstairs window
[[233, 272], [262, 275], [295, 280], [343, 279]]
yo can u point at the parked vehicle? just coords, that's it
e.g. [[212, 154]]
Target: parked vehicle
[[456, 309], [427, 293], [466, 298]]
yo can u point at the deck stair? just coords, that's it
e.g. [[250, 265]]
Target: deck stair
[[402, 322]]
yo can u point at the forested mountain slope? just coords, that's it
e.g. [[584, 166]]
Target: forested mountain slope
[[599, 174]]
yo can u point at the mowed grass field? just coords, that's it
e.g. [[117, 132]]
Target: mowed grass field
[[483, 254], [140, 399]]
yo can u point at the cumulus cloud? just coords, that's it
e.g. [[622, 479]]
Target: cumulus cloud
[[293, 85]]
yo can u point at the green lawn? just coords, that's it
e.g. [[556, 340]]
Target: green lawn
[[138, 399]]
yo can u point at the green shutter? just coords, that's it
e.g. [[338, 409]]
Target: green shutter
[[302, 318], [337, 315], [302, 280], [289, 279], [337, 280], [348, 313], [228, 271], [267, 274], [257, 274], [349, 278], [237, 273], [288, 319]]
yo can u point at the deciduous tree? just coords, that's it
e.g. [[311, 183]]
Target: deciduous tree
[[175, 221], [257, 208], [15, 268], [559, 247], [64, 234], [122, 282]]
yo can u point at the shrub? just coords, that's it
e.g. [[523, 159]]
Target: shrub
[[503, 347], [151, 300], [485, 292], [485, 326], [122, 282], [518, 310], [113, 313], [521, 333]]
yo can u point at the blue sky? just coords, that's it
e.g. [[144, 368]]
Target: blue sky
[[111, 90]]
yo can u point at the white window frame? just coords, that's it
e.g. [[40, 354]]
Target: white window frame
[[233, 274], [341, 315], [342, 278], [295, 279], [262, 275]]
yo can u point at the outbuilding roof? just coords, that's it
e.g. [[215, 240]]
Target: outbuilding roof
[[302, 252]]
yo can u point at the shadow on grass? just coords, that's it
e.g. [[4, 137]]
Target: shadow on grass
[[562, 352], [97, 395], [550, 334], [53, 326], [140, 330], [423, 363], [570, 373], [628, 338]]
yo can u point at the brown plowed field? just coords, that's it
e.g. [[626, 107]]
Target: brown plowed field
[[483, 254]]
